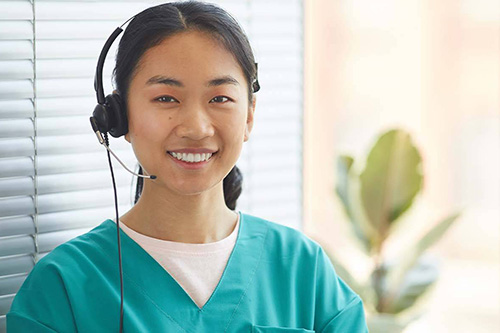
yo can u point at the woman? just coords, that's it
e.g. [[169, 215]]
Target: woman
[[185, 73]]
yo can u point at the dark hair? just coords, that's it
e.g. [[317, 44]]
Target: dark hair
[[150, 27]]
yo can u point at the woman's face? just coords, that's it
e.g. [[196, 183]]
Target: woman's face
[[188, 92]]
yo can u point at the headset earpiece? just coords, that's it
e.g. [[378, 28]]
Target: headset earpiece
[[111, 117], [119, 125], [256, 86]]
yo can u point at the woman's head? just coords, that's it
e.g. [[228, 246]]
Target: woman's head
[[185, 72], [152, 26]]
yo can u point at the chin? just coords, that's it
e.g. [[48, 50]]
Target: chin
[[194, 189]]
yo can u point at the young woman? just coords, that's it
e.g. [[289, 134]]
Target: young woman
[[186, 74]]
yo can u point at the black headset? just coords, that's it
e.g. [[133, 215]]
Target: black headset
[[110, 116]]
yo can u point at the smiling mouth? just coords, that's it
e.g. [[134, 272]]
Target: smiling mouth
[[192, 158]]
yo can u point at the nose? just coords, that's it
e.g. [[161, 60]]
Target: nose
[[194, 123]]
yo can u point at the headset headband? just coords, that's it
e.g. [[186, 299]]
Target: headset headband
[[98, 86]]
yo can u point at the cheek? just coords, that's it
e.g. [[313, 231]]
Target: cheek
[[233, 131], [143, 126]]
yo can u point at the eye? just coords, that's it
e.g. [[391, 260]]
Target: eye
[[165, 99], [221, 99]]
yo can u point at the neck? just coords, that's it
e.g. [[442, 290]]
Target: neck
[[196, 218]]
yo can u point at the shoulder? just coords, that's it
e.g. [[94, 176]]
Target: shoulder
[[69, 258], [45, 298], [284, 241], [294, 258]]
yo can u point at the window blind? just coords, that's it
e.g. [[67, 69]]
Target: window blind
[[55, 182]]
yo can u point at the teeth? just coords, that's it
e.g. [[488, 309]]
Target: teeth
[[191, 157]]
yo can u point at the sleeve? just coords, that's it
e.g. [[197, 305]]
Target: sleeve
[[338, 307], [17, 322], [42, 303], [350, 319]]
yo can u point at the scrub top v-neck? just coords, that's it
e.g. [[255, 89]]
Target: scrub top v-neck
[[276, 280], [226, 295], [197, 268]]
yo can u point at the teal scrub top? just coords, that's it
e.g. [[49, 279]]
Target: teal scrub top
[[276, 280]]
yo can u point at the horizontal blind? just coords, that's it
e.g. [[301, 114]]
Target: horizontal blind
[[54, 177], [50, 75], [16, 145], [272, 157]]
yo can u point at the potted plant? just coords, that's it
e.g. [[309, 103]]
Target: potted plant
[[374, 201]]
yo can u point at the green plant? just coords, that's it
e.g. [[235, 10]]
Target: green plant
[[374, 202]]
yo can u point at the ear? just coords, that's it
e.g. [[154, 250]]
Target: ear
[[249, 124]]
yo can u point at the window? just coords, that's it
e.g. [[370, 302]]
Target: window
[[55, 182]]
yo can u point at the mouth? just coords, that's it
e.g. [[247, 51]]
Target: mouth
[[193, 159]]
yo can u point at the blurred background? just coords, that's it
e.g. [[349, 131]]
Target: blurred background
[[432, 69], [335, 76]]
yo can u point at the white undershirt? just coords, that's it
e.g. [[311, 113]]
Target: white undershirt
[[197, 268]]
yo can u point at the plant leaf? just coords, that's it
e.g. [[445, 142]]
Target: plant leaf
[[349, 196], [344, 164], [409, 257], [416, 282], [391, 179]]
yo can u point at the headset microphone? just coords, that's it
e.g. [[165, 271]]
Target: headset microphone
[[102, 142]]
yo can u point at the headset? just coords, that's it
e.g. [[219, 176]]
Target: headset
[[110, 116]]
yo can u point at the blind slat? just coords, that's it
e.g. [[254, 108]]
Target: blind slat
[[16, 108], [16, 186], [16, 265], [16, 128], [16, 89], [11, 30], [5, 302], [16, 245], [82, 181], [62, 183], [50, 222], [66, 163], [16, 206], [77, 11], [16, 69], [15, 226], [79, 219], [10, 284], [17, 147], [265, 179], [47, 203], [71, 163], [70, 68], [71, 49], [14, 167], [75, 29], [19, 49], [59, 126], [262, 145], [49, 107], [15, 10], [70, 144]]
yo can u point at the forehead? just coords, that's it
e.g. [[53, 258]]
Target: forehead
[[189, 55]]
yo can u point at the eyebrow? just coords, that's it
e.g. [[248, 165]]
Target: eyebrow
[[158, 79]]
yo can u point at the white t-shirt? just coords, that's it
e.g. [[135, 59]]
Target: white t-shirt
[[197, 268]]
